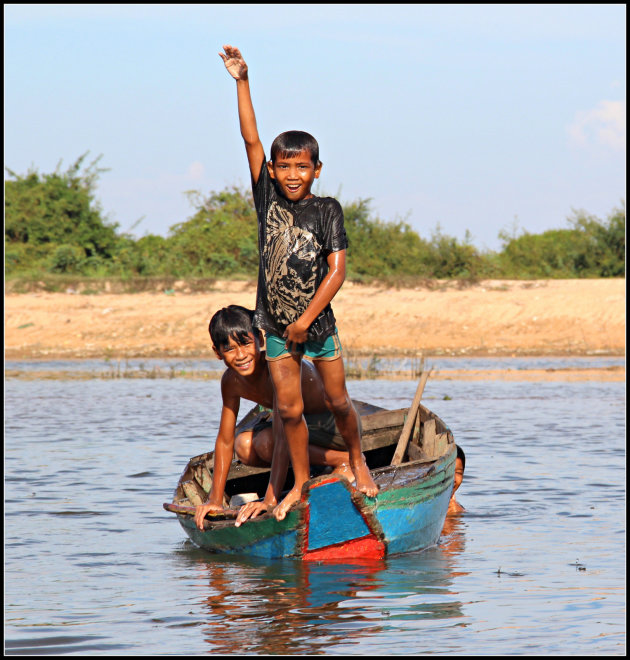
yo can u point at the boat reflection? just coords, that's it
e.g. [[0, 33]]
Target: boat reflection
[[286, 607]]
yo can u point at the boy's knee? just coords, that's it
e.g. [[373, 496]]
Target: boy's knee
[[340, 405], [291, 412], [243, 447]]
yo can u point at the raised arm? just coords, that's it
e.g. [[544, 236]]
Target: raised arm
[[235, 64]]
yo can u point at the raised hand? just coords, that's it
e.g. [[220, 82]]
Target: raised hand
[[234, 63]]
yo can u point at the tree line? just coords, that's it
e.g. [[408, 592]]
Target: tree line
[[54, 225]]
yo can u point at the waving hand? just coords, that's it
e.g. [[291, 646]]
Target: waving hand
[[234, 63]]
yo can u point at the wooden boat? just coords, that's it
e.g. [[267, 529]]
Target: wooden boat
[[333, 520]]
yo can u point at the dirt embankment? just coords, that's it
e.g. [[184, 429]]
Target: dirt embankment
[[492, 318]]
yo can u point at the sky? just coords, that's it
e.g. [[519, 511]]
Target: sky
[[472, 120]]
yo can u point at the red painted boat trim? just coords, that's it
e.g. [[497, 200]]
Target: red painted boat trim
[[367, 547], [323, 482]]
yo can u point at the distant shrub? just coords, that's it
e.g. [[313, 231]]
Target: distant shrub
[[220, 239], [54, 225], [450, 259], [591, 249], [67, 259], [56, 210]]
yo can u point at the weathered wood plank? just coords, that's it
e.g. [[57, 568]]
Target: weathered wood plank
[[429, 437], [203, 478], [441, 443], [193, 492], [385, 419], [414, 453], [226, 514]]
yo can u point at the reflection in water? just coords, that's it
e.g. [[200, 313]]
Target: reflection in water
[[277, 607], [452, 539], [293, 607]]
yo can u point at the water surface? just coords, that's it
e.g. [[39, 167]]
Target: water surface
[[94, 565]]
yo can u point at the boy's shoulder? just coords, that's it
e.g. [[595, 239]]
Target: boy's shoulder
[[326, 206], [332, 201], [229, 380], [232, 382]]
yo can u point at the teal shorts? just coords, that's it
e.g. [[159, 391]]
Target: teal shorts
[[329, 349]]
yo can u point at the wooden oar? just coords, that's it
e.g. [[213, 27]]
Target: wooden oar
[[403, 441]]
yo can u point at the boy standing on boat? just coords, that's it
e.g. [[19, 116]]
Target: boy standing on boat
[[238, 344], [302, 244]]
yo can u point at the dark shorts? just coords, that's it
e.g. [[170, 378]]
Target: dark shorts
[[322, 430]]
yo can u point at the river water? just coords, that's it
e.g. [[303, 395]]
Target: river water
[[94, 565]]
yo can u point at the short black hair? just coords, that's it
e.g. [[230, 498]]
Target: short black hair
[[461, 456], [231, 321], [292, 143]]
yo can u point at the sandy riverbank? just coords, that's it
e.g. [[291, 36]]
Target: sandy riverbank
[[492, 318]]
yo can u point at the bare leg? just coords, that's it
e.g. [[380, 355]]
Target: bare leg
[[347, 420], [263, 446], [257, 450], [286, 377], [253, 449]]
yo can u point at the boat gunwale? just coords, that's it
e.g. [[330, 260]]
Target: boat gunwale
[[227, 518]]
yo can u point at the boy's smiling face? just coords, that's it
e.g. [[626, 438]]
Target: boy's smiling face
[[295, 175], [242, 358]]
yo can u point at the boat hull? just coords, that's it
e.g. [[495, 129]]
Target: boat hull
[[333, 521]]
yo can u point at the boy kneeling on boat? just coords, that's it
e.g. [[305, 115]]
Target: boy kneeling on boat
[[238, 344]]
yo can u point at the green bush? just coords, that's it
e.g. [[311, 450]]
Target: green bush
[[381, 249], [449, 259], [58, 210], [54, 225], [67, 259], [221, 238], [607, 242], [591, 249]]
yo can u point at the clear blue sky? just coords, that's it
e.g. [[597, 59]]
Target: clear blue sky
[[470, 117]]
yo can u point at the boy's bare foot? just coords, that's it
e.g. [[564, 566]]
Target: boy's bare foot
[[291, 498], [344, 471], [365, 484]]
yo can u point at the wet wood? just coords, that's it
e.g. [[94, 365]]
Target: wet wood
[[190, 511], [441, 443], [414, 453], [409, 422]]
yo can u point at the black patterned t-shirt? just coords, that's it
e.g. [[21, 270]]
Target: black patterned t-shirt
[[294, 241]]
